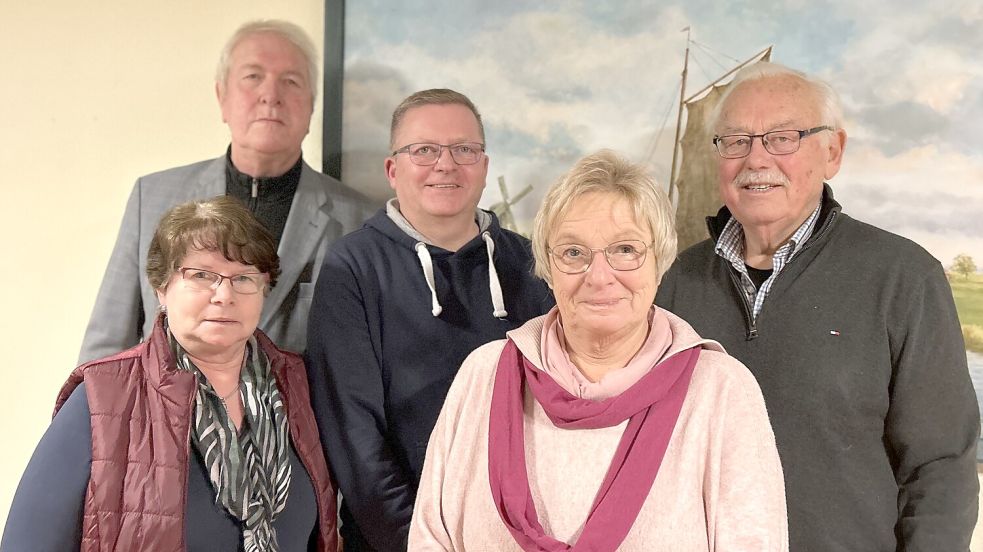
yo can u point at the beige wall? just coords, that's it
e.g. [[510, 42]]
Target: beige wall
[[91, 99]]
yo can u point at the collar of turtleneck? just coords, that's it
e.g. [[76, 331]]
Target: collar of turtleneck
[[240, 184], [269, 198]]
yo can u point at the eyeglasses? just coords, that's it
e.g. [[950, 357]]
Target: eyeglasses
[[424, 154], [200, 279], [572, 258], [776, 142]]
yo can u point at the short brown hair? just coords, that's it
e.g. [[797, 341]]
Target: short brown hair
[[433, 96], [221, 224], [607, 172]]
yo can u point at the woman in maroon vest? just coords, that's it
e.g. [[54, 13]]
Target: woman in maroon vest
[[199, 438]]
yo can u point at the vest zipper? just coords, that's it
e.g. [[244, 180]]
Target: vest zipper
[[254, 194]]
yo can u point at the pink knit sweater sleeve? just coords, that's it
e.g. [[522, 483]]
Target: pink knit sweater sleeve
[[439, 507], [745, 487], [428, 530]]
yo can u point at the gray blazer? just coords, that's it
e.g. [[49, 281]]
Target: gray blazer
[[323, 210]]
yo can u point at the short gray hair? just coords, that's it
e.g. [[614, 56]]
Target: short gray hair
[[284, 29], [433, 96], [830, 109], [607, 172]]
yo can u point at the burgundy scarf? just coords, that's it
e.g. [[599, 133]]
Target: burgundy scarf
[[651, 407]]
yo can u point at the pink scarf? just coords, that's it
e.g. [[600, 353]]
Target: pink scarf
[[651, 407], [556, 361]]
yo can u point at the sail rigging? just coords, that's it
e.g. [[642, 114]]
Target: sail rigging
[[693, 174]]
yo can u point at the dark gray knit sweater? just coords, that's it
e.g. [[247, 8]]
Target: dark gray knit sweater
[[861, 361]]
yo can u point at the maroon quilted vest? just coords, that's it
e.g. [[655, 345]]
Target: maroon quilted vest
[[141, 408]]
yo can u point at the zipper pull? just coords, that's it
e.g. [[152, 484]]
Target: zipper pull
[[255, 188]]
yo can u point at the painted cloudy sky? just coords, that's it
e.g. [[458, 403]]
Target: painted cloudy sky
[[556, 80]]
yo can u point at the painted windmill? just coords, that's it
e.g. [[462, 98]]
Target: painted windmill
[[503, 209]]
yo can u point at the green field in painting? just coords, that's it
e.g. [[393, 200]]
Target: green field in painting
[[968, 293]]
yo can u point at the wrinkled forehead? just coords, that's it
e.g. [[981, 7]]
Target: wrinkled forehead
[[266, 47], [770, 103], [607, 213]]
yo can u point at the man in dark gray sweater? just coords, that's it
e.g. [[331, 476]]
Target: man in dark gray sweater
[[851, 331]]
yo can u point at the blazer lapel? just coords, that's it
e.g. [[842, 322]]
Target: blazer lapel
[[302, 235], [211, 183]]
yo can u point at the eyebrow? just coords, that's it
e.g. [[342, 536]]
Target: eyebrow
[[567, 237], [260, 67], [780, 125], [451, 143]]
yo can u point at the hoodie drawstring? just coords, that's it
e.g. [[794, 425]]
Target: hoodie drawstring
[[494, 286], [427, 264]]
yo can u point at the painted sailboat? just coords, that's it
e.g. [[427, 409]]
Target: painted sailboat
[[693, 174]]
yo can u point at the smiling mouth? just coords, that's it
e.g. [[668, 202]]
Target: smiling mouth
[[759, 187], [603, 303], [443, 186]]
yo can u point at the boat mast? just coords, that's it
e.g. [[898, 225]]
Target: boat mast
[[683, 100], [679, 119]]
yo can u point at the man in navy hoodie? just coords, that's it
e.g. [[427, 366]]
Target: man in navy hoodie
[[398, 306]]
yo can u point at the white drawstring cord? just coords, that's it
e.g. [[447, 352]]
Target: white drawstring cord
[[427, 264], [494, 286]]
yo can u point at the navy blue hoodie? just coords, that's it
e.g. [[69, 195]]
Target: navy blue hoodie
[[380, 361]]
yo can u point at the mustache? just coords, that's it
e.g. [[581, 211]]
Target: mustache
[[747, 178]]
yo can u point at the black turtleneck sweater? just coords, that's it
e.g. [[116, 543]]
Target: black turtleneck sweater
[[268, 198]]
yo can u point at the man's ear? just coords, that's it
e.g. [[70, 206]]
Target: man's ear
[[834, 153], [219, 95], [390, 164]]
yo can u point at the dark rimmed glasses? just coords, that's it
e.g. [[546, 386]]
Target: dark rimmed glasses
[[624, 255], [200, 279], [776, 142], [424, 153]]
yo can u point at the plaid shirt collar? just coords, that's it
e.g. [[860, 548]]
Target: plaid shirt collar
[[730, 246]]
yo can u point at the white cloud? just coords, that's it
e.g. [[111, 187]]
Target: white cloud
[[555, 84], [930, 196], [551, 86]]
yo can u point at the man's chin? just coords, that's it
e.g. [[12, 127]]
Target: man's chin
[[273, 143]]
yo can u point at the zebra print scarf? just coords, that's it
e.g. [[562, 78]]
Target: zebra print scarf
[[250, 472]]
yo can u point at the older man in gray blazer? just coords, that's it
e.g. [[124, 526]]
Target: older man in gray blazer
[[266, 84]]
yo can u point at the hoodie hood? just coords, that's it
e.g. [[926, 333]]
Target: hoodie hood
[[402, 232]]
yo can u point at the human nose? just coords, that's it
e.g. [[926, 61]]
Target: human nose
[[445, 160], [758, 156], [269, 92], [599, 271], [223, 292]]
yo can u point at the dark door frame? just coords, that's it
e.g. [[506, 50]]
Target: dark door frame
[[332, 82]]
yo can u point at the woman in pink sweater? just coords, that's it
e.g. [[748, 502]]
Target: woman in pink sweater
[[607, 424]]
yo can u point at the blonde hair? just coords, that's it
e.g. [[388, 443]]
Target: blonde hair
[[607, 172]]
